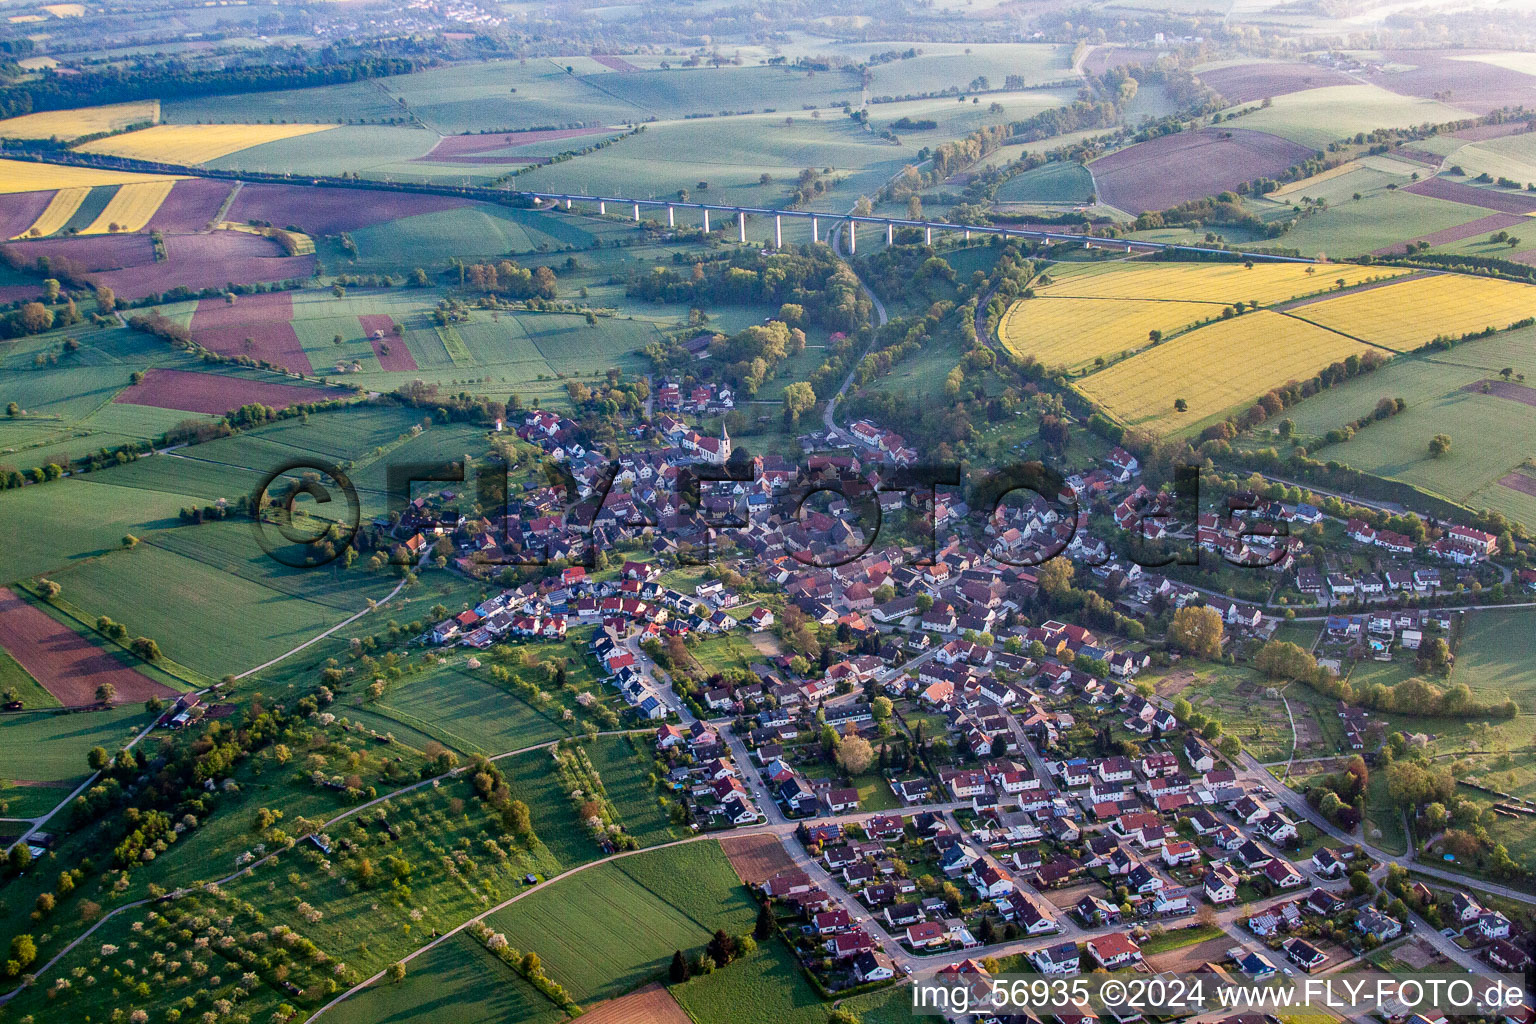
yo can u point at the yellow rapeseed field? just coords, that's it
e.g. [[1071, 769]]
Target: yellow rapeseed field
[[131, 208], [1221, 283], [189, 144], [1214, 369], [1407, 314], [1072, 333], [72, 124], [57, 213], [26, 176]]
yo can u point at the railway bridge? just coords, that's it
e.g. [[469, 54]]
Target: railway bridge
[[825, 225]]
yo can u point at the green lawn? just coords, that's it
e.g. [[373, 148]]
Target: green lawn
[[468, 712], [723, 651], [767, 981], [1494, 658], [1178, 938], [875, 793], [28, 690], [614, 927], [459, 982], [1059, 182], [624, 764], [47, 746]]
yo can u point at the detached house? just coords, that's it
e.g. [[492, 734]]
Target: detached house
[[1114, 950], [1062, 958]]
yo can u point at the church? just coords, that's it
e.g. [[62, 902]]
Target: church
[[712, 451]]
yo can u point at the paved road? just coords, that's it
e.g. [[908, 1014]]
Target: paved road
[[829, 411]]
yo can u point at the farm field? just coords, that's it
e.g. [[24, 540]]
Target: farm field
[[191, 144], [350, 101], [1316, 117], [1378, 220], [1493, 656], [1075, 332], [768, 981], [468, 714], [26, 176], [72, 124], [182, 589], [1247, 82], [1424, 73], [1406, 314], [216, 393], [28, 690], [367, 929], [756, 858], [60, 209], [74, 519], [130, 208], [950, 65], [740, 150], [533, 780], [1508, 156], [614, 927], [344, 149], [652, 1004], [457, 982], [622, 763], [1172, 169], [1222, 283], [1418, 377], [475, 96], [1490, 437], [65, 663], [1085, 313], [1257, 351], [1059, 182], [46, 746]]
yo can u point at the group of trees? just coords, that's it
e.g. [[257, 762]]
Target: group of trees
[[1340, 796], [1197, 630], [506, 278], [275, 67], [810, 277], [1280, 659], [748, 357], [491, 787], [722, 949]]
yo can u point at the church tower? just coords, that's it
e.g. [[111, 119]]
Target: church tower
[[725, 444]]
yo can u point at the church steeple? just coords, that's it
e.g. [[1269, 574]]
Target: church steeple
[[725, 442]]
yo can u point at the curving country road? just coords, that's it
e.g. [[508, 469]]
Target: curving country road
[[829, 411]]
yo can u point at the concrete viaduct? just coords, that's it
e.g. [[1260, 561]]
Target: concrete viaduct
[[850, 224]]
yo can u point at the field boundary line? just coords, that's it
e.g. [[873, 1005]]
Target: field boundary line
[[645, 888], [406, 718], [1342, 334], [77, 614]]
